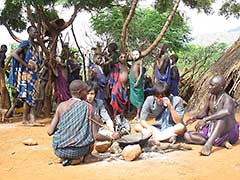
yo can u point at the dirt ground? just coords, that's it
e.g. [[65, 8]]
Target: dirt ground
[[18, 161]]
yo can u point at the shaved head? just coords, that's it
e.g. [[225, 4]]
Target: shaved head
[[78, 89], [219, 79]]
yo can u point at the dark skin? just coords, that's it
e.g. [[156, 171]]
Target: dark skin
[[16, 54], [80, 93], [219, 109]]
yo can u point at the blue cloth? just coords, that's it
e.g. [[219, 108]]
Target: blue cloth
[[22, 78], [101, 81], [166, 77], [174, 81]]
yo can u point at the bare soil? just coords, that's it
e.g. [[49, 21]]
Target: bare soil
[[18, 161]]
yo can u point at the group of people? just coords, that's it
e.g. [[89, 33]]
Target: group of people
[[93, 110]]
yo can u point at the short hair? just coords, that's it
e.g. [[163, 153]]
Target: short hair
[[3, 46], [92, 86], [77, 85], [30, 27], [113, 46], [161, 88], [174, 56]]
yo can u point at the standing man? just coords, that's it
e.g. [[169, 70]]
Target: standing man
[[217, 125], [23, 74]]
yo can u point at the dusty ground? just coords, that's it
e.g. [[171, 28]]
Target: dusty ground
[[18, 161]]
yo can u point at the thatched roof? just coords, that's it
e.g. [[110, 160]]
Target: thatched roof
[[229, 66]]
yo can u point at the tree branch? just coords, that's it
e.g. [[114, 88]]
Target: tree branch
[[74, 15], [125, 25], [11, 32], [164, 29]]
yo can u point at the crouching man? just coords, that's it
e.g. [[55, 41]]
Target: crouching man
[[73, 131]]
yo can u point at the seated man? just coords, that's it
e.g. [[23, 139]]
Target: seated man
[[168, 111], [73, 133], [217, 125]]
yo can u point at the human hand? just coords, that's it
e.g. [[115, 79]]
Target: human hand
[[30, 66], [116, 135], [166, 101], [136, 84], [190, 120], [200, 125]]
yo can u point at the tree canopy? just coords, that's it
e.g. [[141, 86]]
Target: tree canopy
[[144, 27]]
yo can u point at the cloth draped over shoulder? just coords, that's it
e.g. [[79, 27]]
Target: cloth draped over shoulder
[[119, 97], [137, 93], [22, 78], [166, 77], [74, 127]]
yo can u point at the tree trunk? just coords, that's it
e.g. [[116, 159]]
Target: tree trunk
[[228, 66], [164, 29], [125, 25]]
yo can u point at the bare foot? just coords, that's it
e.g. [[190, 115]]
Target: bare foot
[[91, 158], [172, 140], [153, 142], [206, 150], [228, 145]]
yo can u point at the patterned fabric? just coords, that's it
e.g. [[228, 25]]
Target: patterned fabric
[[74, 128], [136, 93], [61, 87], [119, 98], [114, 75], [73, 152], [163, 77], [232, 136], [23, 78]]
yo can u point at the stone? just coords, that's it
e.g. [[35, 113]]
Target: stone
[[30, 142], [102, 147], [131, 152], [115, 148]]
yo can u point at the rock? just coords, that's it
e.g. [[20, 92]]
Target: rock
[[115, 148], [131, 152], [103, 146], [30, 142]]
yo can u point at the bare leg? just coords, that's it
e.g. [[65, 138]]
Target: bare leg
[[193, 137], [32, 115], [219, 128], [26, 109]]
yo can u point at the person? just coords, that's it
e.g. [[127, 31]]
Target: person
[[73, 67], [119, 98], [175, 77], [23, 74], [111, 58], [217, 124], [168, 111], [61, 82], [162, 66], [137, 83], [3, 51], [97, 75], [99, 108], [72, 127], [4, 97]]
